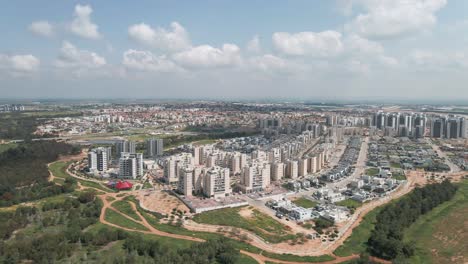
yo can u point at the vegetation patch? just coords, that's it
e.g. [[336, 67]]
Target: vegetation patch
[[290, 257], [126, 208], [386, 238], [440, 236], [120, 220], [357, 242], [372, 171], [350, 204], [258, 223], [304, 202]]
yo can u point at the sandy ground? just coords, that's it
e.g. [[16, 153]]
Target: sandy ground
[[160, 201]]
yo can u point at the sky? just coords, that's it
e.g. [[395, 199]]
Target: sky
[[235, 49]]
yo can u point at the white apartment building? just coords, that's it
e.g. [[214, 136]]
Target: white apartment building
[[255, 177], [98, 159], [277, 172], [131, 165], [185, 185], [292, 169], [217, 182], [173, 164]]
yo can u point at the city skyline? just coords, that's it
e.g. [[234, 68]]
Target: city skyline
[[333, 50]]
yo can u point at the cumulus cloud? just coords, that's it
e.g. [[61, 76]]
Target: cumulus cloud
[[82, 25], [72, 57], [391, 18], [42, 28], [147, 61], [206, 56], [19, 63], [174, 39], [254, 44], [321, 44]]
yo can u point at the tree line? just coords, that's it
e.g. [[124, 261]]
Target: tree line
[[386, 240], [24, 173]]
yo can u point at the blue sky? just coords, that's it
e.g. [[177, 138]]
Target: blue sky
[[321, 49]]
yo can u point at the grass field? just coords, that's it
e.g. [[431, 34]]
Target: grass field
[[204, 142], [372, 171], [118, 219], [289, 257], [356, 243], [59, 170], [304, 202], [350, 203], [441, 235], [399, 177], [258, 223], [126, 208], [5, 147]]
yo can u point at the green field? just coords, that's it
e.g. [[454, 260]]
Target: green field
[[126, 208], [372, 171], [399, 177], [356, 243], [304, 202], [118, 219], [441, 235], [59, 170], [350, 203], [258, 223], [204, 142], [289, 257], [5, 147]]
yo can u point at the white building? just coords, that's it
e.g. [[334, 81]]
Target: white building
[[217, 182], [131, 165], [98, 160]]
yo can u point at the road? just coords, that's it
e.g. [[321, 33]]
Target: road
[[436, 148], [359, 169]]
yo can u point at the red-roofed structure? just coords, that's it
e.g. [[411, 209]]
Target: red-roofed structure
[[123, 185]]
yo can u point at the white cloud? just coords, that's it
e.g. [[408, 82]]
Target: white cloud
[[19, 63], [362, 50], [82, 25], [71, 57], [391, 18], [321, 44], [357, 44], [147, 61], [174, 39], [206, 56], [254, 44], [438, 60], [42, 28]]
